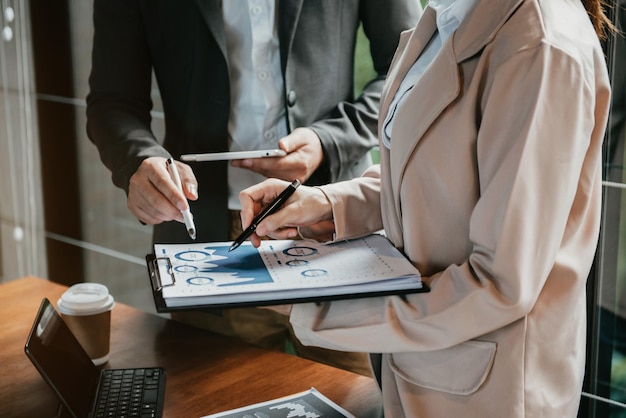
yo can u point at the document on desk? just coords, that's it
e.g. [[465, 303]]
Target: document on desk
[[186, 276], [310, 403]]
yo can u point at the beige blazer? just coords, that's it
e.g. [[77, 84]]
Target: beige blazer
[[492, 187]]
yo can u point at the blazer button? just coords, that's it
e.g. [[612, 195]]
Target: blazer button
[[291, 98]]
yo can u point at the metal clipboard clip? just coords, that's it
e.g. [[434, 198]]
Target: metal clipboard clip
[[155, 276]]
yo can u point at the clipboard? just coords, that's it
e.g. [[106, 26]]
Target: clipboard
[[202, 276]]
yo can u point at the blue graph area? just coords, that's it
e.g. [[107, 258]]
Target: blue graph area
[[246, 265]]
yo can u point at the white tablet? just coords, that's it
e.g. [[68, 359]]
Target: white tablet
[[234, 155]]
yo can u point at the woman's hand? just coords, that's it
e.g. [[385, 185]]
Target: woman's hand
[[307, 207]]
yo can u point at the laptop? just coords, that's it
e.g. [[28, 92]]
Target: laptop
[[85, 391]]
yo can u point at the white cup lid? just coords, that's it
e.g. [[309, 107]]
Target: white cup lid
[[85, 299]]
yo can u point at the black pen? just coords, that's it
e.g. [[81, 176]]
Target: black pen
[[273, 207]]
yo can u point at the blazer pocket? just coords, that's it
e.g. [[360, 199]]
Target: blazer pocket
[[459, 370]]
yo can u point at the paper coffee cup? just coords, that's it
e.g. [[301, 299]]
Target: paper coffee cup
[[86, 308]]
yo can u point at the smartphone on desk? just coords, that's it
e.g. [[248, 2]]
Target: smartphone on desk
[[234, 155]]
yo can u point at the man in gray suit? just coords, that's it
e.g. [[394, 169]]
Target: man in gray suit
[[235, 75]]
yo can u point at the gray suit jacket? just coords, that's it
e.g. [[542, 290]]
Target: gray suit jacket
[[183, 42]]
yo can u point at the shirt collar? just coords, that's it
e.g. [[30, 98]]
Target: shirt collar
[[450, 14]]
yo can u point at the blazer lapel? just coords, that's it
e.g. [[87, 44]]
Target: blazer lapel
[[440, 84], [405, 57], [435, 90], [289, 12], [481, 25], [211, 11], [478, 28]]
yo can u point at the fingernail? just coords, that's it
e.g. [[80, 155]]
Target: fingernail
[[192, 190]]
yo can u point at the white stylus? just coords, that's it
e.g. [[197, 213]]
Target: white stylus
[[187, 216]]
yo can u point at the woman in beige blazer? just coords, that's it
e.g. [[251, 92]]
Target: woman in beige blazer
[[490, 183]]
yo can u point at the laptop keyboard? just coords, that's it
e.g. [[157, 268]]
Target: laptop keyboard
[[131, 393]]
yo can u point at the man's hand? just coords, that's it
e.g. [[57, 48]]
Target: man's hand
[[304, 156], [153, 196]]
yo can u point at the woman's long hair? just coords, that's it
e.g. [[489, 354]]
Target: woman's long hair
[[601, 23]]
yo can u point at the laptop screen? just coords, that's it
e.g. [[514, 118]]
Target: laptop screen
[[62, 361]]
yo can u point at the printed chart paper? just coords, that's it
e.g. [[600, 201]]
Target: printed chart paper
[[200, 273], [308, 404]]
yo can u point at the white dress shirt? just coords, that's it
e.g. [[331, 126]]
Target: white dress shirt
[[257, 114]]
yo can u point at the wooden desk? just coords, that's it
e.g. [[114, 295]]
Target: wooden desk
[[205, 373]]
